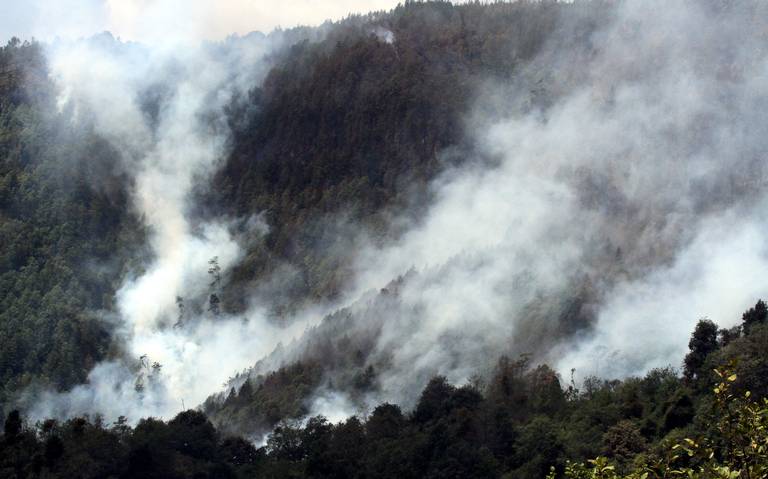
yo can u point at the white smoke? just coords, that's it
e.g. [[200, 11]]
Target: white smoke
[[645, 323], [643, 182], [384, 35], [333, 405], [104, 83]]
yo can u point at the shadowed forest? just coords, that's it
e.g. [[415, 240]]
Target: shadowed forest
[[524, 422]]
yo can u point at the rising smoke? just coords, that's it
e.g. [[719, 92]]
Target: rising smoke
[[171, 142], [643, 183], [606, 222], [592, 231]]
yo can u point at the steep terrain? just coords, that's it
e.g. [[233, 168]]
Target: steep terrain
[[67, 232], [647, 171], [328, 220]]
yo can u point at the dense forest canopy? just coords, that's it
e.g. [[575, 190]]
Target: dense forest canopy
[[524, 422], [67, 232], [421, 242]]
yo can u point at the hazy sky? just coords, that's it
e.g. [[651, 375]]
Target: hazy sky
[[151, 20]]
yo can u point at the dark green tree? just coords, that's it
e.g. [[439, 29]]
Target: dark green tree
[[13, 425], [754, 316], [703, 343]]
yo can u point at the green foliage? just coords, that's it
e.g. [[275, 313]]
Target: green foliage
[[739, 450], [66, 231], [339, 129], [522, 426], [748, 353], [703, 342], [260, 404], [520, 422], [623, 441], [186, 446], [754, 316]]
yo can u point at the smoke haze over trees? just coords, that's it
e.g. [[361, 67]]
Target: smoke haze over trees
[[321, 220], [524, 422]]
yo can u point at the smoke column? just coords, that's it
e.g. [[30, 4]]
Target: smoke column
[[169, 148]]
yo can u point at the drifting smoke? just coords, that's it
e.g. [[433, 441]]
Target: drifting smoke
[[384, 35], [646, 322], [604, 225], [644, 182], [174, 354], [593, 230], [332, 405]]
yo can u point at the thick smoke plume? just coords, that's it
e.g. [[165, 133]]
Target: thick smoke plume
[[163, 110], [618, 199], [640, 191]]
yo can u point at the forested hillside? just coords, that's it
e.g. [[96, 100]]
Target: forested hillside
[[338, 147], [428, 91], [66, 229], [347, 132], [525, 422], [343, 132], [444, 240]]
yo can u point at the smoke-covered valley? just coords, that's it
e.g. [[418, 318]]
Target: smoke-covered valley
[[328, 217]]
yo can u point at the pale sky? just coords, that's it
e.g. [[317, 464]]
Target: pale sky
[[153, 20]]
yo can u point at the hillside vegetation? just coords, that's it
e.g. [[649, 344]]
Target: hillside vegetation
[[66, 230], [525, 422], [346, 129], [350, 143]]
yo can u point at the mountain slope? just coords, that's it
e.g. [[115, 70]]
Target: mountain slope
[[66, 228]]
